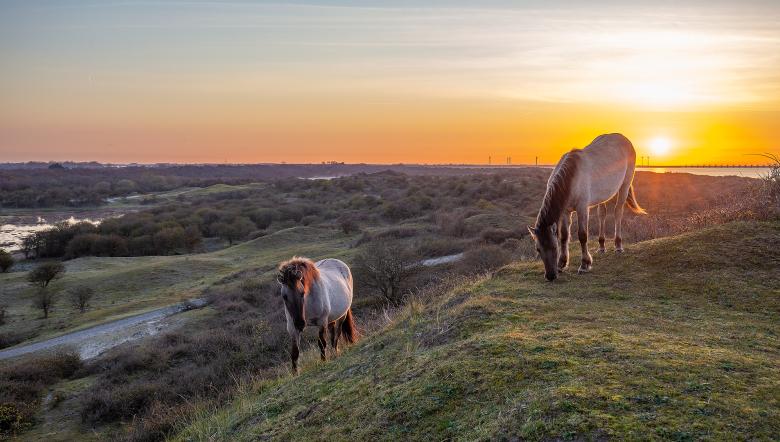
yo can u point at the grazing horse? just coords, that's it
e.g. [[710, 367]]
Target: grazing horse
[[318, 295], [584, 178]]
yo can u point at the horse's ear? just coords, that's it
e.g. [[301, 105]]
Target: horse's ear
[[554, 228]]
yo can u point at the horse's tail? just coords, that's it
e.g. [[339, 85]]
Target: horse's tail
[[348, 328], [632, 203]]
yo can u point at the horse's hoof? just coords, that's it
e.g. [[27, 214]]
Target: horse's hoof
[[620, 250], [602, 251], [582, 270]]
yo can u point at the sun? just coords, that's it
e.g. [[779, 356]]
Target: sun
[[660, 145]]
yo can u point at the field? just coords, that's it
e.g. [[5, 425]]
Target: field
[[677, 339]]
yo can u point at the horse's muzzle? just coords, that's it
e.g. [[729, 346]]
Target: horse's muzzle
[[550, 276]]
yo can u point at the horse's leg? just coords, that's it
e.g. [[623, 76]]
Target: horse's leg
[[323, 341], [564, 234], [582, 234], [294, 351], [619, 205], [333, 329], [601, 209]]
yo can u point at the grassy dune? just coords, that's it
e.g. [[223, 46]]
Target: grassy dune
[[679, 338], [126, 286]]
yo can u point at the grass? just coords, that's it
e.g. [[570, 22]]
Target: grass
[[127, 286], [677, 339]]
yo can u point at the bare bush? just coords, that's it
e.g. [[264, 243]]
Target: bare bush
[[80, 296], [43, 300], [385, 266]]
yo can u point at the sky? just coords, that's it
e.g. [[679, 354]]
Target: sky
[[386, 81]]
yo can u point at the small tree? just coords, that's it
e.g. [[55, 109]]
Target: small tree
[[42, 275], [80, 297], [385, 266], [43, 300], [6, 261]]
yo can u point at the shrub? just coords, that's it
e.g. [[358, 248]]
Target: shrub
[[385, 266], [497, 236], [109, 245], [452, 224], [80, 297], [309, 220], [6, 261], [348, 225], [10, 338], [42, 275], [484, 259], [22, 384], [80, 245], [434, 247], [43, 300]]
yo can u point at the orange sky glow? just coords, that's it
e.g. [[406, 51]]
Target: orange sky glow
[[380, 82]]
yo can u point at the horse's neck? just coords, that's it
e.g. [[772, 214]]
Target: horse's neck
[[559, 189], [555, 202]]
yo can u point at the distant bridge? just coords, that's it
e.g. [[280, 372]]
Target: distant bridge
[[707, 166]]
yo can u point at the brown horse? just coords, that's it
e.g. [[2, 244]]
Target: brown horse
[[317, 295], [584, 178]]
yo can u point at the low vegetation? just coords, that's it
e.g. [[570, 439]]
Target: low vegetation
[[22, 385]]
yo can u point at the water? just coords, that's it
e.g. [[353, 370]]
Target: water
[[13, 229], [748, 172]]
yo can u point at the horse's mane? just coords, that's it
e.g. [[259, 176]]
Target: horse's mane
[[298, 269], [558, 190]]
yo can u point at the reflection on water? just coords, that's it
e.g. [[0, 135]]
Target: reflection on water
[[748, 172], [15, 228]]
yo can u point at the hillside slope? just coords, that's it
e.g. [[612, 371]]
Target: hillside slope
[[679, 339], [131, 285]]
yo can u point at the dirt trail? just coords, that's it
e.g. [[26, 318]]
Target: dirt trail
[[93, 341]]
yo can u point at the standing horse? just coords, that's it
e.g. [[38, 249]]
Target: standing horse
[[318, 295], [584, 178]]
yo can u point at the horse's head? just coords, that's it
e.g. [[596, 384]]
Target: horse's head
[[546, 240], [295, 277]]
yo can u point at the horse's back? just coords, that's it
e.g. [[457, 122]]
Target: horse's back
[[608, 164], [616, 145], [337, 281], [334, 266]]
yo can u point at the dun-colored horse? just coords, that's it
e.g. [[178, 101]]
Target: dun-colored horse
[[318, 295], [584, 178]]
